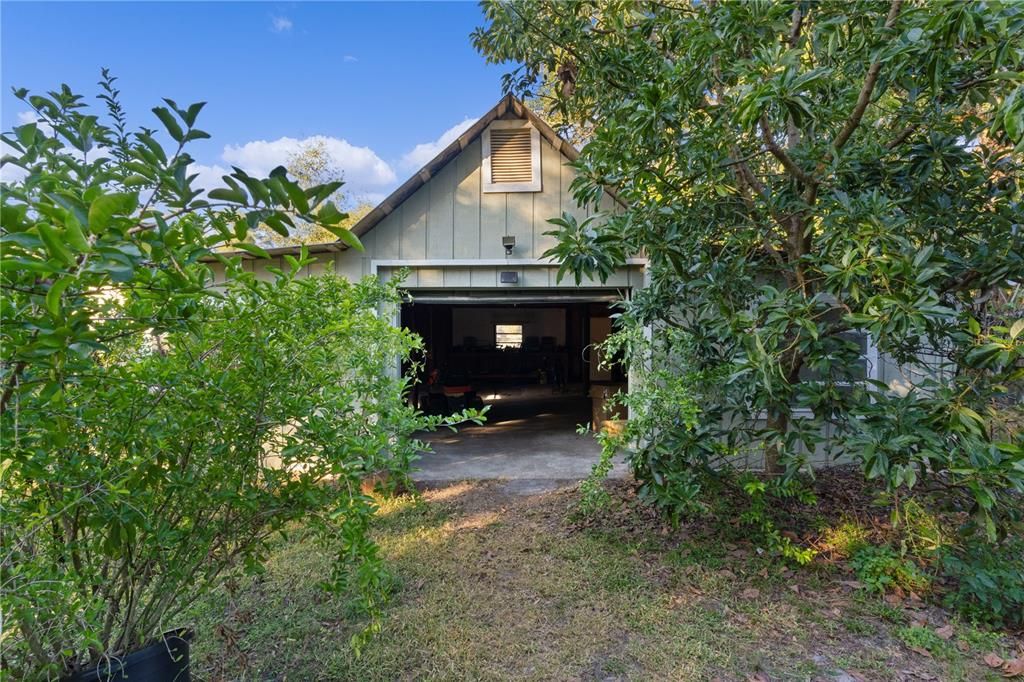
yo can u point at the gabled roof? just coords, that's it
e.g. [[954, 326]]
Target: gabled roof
[[508, 103]]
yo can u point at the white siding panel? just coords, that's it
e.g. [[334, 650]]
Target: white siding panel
[[218, 271], [349, 264], [388, 237], [535, 277], [431, 277], [261, 269], [467, 203], [547, 204], [324, 263], [493, 214], [519, 222], [483, 277], [569, 204], [441, 214], [457, 277], [413, 240]]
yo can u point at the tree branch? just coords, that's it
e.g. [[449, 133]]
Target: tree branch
[[779, 153], [864, 98]]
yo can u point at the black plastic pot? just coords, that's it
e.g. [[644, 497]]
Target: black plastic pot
[[163, 661]]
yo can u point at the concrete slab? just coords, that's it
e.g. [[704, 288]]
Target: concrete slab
[[530, 435]]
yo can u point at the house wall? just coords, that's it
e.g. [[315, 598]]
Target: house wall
[[450, 218], [450, 223]]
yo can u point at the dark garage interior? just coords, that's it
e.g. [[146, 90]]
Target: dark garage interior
[[532, 363]]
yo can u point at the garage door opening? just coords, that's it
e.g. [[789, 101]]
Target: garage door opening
[[533, 363]]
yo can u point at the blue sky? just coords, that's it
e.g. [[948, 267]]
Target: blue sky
[[381, 82]]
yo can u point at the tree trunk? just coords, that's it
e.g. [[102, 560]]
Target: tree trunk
[[779, 423]]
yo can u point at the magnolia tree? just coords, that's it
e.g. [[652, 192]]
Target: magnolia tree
[[159, 430], [803, 178]]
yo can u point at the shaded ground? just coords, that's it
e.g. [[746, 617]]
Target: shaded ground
[[494, 585], [530, 433]]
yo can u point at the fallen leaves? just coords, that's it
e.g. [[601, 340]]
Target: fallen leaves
[[945, 632], [750, 593], [1013, 667]]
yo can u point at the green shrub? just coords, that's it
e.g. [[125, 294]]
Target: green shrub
[[157, 430], [917, 637], [757, 514], [988, 582], [881, 569]]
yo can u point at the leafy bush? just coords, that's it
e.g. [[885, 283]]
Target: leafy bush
[[758, 517], [988, 582], [881, 569], [802, 180], [158, 430], [666, 448]]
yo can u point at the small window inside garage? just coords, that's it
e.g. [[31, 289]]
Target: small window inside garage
[[508, 335]]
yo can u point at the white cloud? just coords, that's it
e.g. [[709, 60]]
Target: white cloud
[[281, 24], [349, 58], [209, 176], [31, 117], [366, 175], [424, 152], [9, 172]]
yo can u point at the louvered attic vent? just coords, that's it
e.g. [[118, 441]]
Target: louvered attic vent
[[511, 162]]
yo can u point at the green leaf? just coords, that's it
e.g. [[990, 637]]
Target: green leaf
[[54, 294], [75, 236], [297, 196], [54, 241], [104, 207], [276, 224], [26, 134], [167, 118], [330, 215], [1016, 329], [234, 196], [346, 235], [252, 249], [190, 115]]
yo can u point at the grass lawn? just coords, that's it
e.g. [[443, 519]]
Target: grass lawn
[[491, 586]]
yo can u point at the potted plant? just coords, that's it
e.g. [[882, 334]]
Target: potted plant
[[158, 430]]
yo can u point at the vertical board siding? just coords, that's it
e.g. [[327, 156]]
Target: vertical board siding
[[349, 264], [467, 202], [260, 267], [431, 277], [441, 214], [323, 263], [569, 204], [535, 277], [548, 203], [519, 223], [483, 277], [457, 277], [388, 238], [493, 222], [413, 225]]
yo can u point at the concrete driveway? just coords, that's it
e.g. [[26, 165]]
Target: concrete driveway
[[530, 435]]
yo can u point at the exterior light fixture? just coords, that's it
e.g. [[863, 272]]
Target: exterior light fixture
[[509, 242]]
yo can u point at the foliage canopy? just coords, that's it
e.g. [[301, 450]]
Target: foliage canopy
[[158, 429], [802, 176]]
